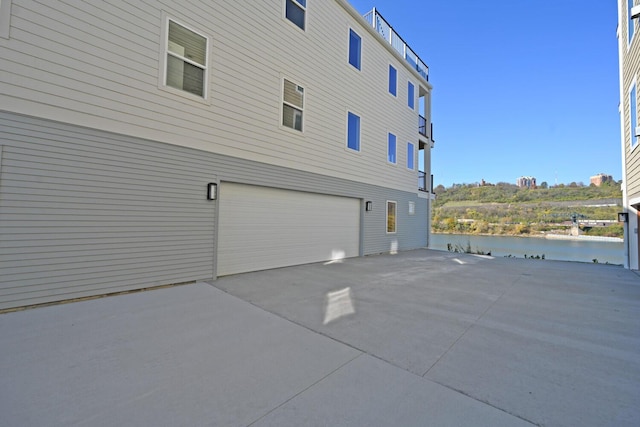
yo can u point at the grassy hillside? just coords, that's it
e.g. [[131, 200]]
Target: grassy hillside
[[507, 209]]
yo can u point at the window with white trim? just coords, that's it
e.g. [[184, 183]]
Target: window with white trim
[[186, 59], [633, 114], [412, 208], [631, 23], [353, 131], [296, 12], [392, 208], [391, 148], [393, 80], [411, 96], [292, 105], [355, 49], [411, 164]]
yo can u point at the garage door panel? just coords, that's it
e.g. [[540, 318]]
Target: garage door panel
[[263, 228]]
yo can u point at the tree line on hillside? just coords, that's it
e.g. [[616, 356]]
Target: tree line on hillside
[[505, 193], [507, 209]]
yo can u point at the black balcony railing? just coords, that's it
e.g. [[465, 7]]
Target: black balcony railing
[[422, 126], [422, 181]]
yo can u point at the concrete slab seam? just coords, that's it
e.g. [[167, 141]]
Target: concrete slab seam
[[305, 389], [484, 402], [475, 322]]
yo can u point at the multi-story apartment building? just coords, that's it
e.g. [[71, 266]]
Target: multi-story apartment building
[[160, 142], [526, 182], [629, 67], [600, 179]]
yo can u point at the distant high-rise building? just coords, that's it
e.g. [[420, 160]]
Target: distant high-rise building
[[526, 182], [600, 179]]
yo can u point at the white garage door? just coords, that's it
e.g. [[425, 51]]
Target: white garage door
[[261, 228]]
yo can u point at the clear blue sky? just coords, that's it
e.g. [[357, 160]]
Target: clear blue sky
[[521, 87]]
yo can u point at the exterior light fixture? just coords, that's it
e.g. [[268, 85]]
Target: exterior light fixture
[[368, 206], [212, 191], [623, 217]]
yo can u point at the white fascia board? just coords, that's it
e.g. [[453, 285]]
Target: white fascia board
[[635, 12]]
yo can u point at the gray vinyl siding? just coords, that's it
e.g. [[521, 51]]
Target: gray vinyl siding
[[86, 212], [97, 64]]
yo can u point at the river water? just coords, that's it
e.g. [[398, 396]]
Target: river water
[[611, 252]]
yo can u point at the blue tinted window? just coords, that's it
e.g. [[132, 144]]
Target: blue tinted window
[[410, 154], [633, 112], [355, 44], [393, 80], [411, 97], [295, 12], [391, 148], [631, 24], [353, 132]]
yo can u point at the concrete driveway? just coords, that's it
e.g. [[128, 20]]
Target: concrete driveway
[[418, 338]]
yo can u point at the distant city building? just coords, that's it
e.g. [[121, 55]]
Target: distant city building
[[600, 179], [526, 182], [628, 33]]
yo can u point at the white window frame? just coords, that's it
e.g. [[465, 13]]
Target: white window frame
[[5, 18], [346, 141], [413, 157], [295, 107], [633, 139], [395, 154], [395, 83], [162, 83], [630, 23], [411, 100], [359, 67], [386, 223], [304, 9]]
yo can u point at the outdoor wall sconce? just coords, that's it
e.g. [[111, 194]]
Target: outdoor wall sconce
[[623, 216], [212, 191], [368, 206]]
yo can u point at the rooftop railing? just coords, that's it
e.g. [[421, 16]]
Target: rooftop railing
[[385, 30]]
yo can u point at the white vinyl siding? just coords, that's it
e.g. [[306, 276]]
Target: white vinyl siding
[[96, 64], [262, 228]]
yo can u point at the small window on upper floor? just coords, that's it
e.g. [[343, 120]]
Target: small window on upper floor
[[5, 18], [353, 131], [633, 115], [631, 23], [292, 105], [411, 164], [393, 80], [355, 49], [411, 96], [296, 12], [391, 148], [186, 59]]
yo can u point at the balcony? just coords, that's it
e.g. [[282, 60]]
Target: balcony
[[422, 181], [422, 128], [385, 30]]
